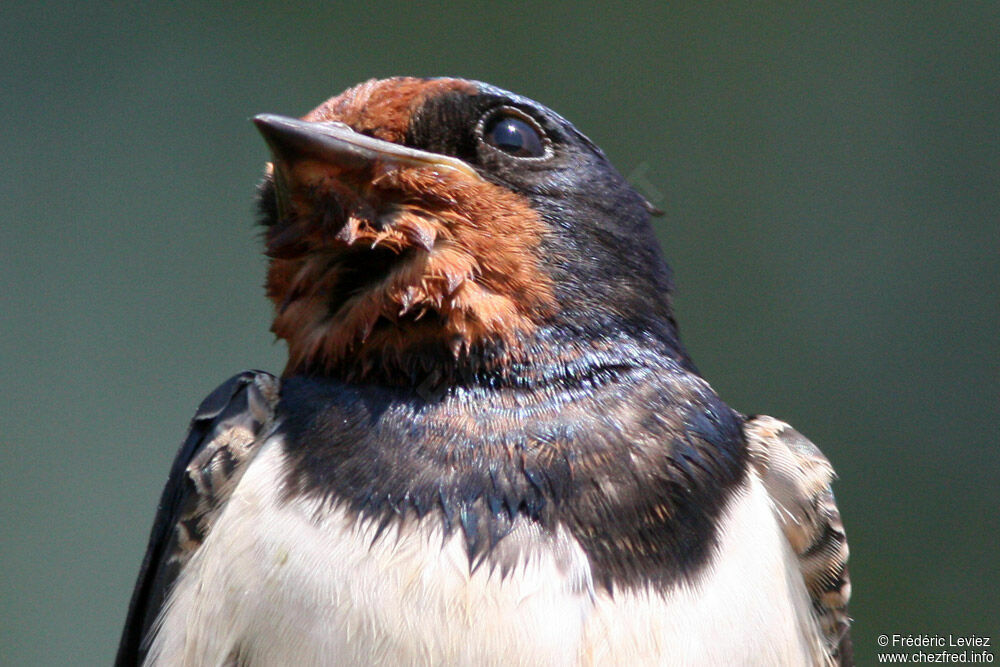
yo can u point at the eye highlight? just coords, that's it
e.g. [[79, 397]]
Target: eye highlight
[[513, 133]]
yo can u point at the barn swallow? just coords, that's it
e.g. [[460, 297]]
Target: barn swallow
[[488, 446]]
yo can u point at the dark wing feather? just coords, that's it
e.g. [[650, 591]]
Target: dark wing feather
[[221, 439], [797, 477]]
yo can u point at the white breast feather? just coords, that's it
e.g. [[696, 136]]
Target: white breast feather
[[300, 583]]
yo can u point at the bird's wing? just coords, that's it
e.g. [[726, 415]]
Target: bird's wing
[[797, 477], [222, 438]]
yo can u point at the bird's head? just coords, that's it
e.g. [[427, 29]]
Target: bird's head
[[415, 225]]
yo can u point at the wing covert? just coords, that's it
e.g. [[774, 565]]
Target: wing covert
[[221, 439], [797, 477]]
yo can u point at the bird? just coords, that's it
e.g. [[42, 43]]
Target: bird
[[489, 445]]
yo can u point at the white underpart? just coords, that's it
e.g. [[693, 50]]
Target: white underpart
[[749, 607], [299, 583]]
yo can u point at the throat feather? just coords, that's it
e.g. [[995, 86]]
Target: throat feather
[[406, 276]]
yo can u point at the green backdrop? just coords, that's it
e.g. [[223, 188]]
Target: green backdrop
[[830, 181]]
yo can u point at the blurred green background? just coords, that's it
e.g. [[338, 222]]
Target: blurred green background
[[830, 177]]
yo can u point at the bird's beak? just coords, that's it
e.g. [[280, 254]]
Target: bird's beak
[[293, 140]]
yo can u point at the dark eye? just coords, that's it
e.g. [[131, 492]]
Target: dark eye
[[513, 135]]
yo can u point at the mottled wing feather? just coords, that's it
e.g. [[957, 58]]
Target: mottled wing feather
[[798, 477], [220, 441]]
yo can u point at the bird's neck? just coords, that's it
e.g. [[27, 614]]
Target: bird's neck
[[628, 459], [549, 356]]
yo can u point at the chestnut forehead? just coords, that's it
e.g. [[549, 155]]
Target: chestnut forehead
[[383, 108]]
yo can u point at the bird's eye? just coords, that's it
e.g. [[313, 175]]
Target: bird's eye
[[513, 135]]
